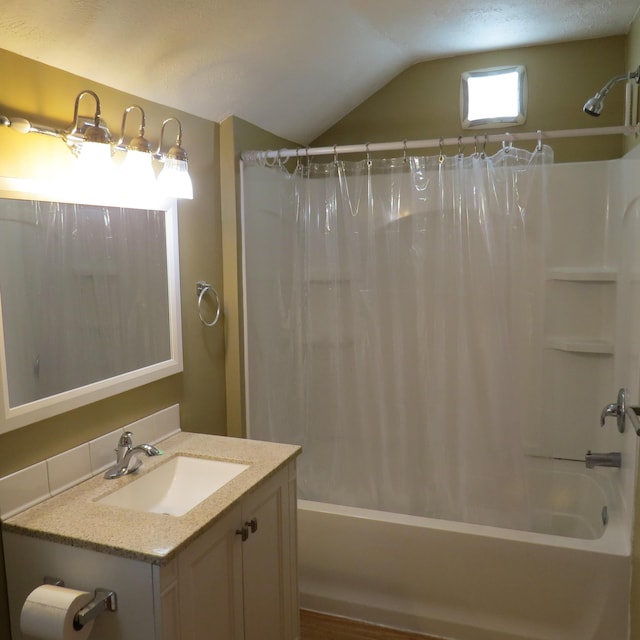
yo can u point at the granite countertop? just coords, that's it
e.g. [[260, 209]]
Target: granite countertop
[[75, 518]]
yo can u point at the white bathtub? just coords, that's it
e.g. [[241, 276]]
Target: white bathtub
[[472, 582]]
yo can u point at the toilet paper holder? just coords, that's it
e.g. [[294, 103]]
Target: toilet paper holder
[[104, 600]]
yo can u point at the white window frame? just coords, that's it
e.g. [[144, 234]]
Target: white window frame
[[498, 120]]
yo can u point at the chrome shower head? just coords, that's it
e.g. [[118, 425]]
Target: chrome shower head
[[594, 106]]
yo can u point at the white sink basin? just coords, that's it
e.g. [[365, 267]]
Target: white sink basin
[[176, 486]]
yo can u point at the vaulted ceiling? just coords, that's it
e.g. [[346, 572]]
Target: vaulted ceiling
[[293, 67]]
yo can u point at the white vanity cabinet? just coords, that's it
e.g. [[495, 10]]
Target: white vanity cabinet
[[237, 581], [222, 584]]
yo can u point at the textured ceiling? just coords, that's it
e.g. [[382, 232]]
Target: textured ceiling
[[293, 67]]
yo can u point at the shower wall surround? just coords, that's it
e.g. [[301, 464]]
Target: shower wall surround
[[584, 218], [591, 311]]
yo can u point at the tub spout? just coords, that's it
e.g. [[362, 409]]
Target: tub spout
[[612, 459]]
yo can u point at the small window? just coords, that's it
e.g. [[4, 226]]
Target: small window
[[493, 97]]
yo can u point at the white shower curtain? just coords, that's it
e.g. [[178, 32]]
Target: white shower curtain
[[394, 319]]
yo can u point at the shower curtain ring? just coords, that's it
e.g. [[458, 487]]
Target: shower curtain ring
[[441, 156], [404, 150], [459, 145], [366, 146], [335, 154], [539, 145], [475, 145]]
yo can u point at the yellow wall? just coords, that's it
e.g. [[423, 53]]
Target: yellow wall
[[236, 135], [632, 63], [46, 95], [423, 101]]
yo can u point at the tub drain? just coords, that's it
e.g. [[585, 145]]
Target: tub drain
[[605, 515]]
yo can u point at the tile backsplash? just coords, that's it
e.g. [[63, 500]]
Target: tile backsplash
[[29, 486]]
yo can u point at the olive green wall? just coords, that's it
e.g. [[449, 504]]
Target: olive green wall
[[236, 135], [423, 102], [632, 63], [47, 95]]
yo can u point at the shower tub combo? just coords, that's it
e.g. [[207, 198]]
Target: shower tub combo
[[473, 582], [567, 577]]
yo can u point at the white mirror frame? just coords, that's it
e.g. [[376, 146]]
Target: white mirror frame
[[15, 417]]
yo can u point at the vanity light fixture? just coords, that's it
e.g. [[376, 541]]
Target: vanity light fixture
[[89, 139]]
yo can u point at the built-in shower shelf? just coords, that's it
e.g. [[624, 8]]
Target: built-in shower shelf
[[580, 345], [582, 274]]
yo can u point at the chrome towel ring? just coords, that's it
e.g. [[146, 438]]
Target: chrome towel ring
[[201, 289]]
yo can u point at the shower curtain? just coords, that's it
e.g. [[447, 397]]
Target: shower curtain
[[394, 326]]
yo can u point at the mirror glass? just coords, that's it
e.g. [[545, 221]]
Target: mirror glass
[[89, 299]]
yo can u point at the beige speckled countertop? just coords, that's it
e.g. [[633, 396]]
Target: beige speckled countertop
[[75, 518]]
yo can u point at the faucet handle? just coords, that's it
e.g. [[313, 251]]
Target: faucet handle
[[125, 443], [622, 410], [126, 439], [609, 410]]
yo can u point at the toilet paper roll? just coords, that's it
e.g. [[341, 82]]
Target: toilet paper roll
[[48, 612]]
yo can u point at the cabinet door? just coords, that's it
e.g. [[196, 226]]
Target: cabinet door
[[165, 581], [210, 583], [267, 562]]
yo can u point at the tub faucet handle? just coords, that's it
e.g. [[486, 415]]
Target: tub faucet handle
[[609, 410], [622, 411]]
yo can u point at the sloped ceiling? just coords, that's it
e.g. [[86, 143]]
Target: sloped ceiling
[[293, 67]]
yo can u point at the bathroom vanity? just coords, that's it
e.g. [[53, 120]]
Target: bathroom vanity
[[225, 569]]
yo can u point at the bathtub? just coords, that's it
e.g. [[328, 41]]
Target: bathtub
[[474, 582]]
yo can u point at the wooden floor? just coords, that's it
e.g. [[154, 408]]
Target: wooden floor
[[318, 626]]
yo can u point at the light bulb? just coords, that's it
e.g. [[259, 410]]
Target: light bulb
[[174, 180], [136, 174]]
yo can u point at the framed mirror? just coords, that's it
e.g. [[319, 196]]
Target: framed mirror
[[89, 299]]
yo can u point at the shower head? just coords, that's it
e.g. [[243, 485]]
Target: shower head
[[594, 106]]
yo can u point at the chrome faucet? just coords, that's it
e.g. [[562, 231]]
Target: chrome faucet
[[592, 460], [622, 411], [127, 460]]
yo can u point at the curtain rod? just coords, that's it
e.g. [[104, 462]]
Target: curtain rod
[[477, 140]]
